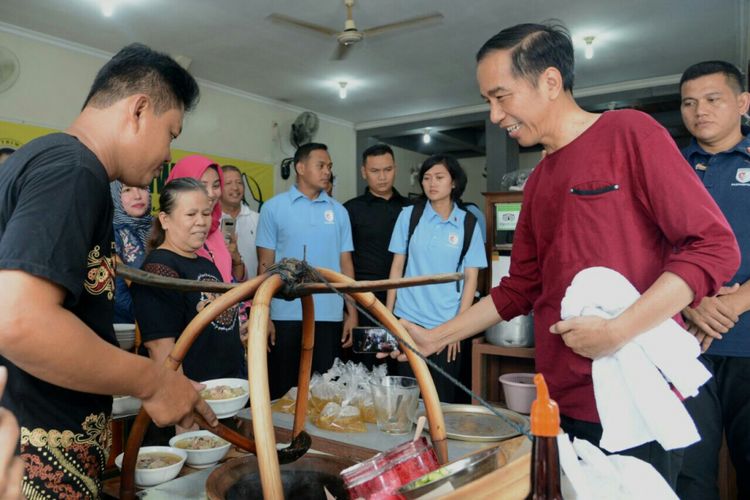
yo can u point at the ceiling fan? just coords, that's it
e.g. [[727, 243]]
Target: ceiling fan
[[351, 35]]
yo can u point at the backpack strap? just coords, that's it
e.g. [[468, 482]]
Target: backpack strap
[[470, 222], [416, 214]]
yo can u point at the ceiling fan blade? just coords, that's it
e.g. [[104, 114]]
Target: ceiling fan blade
[[341, 52], [282, 19], [425, 19]]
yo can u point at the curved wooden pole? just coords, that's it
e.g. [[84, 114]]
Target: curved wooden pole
[[300, 290], [305, 364], [268, 460], [426, 384], [260, 397], [173, 361], [375, 285]]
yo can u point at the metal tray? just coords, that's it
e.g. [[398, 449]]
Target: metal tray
[[477, 423], [457, 474]]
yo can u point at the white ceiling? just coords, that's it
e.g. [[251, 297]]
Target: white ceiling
[[231, 42]]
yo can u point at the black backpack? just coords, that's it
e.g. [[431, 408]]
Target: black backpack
[[470, 221]]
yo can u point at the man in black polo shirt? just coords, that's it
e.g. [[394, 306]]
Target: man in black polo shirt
[[373, 216]]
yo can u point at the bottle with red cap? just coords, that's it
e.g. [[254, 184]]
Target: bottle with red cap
[[545, 459]]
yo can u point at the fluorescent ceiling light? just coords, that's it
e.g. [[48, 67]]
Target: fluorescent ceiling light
[[426, 138], [589, 51]]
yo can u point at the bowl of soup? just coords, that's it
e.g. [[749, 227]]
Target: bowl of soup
[[156, 464], [203, 448], [226, 396]]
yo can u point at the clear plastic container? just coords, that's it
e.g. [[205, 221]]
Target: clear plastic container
[[381, 476]]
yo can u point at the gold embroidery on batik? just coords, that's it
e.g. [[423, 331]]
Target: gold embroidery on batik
[[72, 468], [96, 428], [56, 444], [100, 277]]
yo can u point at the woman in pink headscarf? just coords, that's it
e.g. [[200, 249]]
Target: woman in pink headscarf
[[226, 258]]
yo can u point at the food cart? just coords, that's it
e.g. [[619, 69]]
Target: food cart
[[271, 471]]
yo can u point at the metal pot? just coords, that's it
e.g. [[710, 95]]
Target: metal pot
[[518, 332], [240, 478]]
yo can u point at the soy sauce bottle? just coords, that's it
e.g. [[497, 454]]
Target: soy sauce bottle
[[545, 459]]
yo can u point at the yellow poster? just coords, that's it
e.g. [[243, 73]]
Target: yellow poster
[[258, 177]]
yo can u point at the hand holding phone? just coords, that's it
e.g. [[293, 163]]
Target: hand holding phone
[[371, 340], [227, 228]]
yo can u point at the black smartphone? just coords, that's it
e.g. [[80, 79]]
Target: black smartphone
[[370, 340]]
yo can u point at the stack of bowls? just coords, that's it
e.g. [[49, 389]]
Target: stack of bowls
[[125, 333]]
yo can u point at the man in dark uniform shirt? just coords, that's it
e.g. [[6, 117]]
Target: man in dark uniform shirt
[[373, 215]]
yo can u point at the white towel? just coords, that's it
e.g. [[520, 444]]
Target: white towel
[[614, 477], [633, 397]]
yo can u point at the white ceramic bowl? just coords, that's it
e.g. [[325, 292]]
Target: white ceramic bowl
[[152, 477], [125, 334], [225, 408], [125, 405], [201, 458]]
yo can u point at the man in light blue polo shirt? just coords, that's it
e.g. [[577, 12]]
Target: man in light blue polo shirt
[[713, 103], [305, 222]]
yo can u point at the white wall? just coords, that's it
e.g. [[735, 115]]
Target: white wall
[[529, 160], [56, 76], [477, 183], [405, 161]]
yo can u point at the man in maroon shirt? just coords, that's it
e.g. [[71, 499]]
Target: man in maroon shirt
[[613, 190]]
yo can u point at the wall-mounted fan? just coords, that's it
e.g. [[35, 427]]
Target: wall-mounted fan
[[304, 129], [10, 68], [351, 35]]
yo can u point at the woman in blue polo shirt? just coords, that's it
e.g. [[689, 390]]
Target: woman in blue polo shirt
[[435, 247]]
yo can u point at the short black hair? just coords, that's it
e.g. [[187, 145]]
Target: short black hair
[[137, 69], [730, 71], [7, 151], [377, 150], [303, 152], [454, 169], [534, 48]]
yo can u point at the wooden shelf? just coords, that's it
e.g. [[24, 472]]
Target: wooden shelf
[[489, 361], [482, 346], [485, 276]]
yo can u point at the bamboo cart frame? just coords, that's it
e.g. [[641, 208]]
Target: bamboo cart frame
[[262, 289]]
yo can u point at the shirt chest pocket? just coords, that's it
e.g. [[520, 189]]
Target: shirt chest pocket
[[592, 207], [590, 190]]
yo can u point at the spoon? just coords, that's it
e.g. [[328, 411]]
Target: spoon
[[394, 415], [420, 425]]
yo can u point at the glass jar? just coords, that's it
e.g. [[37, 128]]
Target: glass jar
[[382, 475]]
